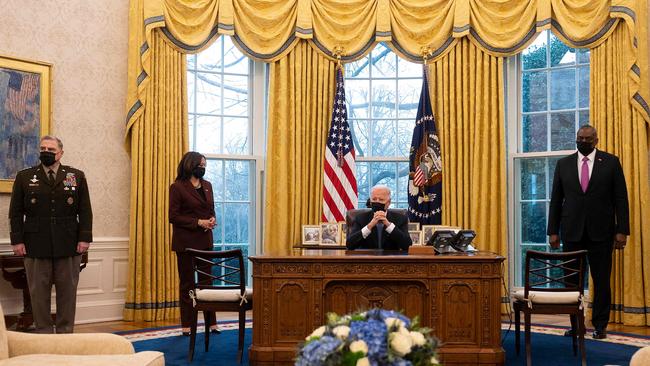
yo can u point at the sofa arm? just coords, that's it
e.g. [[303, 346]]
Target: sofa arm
[[67, 344]]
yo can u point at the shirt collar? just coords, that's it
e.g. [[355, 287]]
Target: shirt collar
[[54, 167], [591, 156]]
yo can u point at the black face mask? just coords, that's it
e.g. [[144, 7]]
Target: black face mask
[[198, 172], [585, 147], [376, 206], [47, 158]]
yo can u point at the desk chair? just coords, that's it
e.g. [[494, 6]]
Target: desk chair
[[554, 284], [219, 285]]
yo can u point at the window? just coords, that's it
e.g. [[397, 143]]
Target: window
[[221, 82], [549, 90], [382, 93]]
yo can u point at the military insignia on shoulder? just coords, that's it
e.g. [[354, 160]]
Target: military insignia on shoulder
[[33, 201], [70, 180], [70, 200], [34, 180]]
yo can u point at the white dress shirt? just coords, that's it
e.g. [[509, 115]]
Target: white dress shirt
[[365, 231]]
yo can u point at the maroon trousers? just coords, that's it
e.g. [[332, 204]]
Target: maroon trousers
[[186, 283]]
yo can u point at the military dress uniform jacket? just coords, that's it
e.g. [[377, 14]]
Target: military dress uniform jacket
[[50, 219]]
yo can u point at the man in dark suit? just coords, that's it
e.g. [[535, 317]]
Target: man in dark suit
[[589, 211], [379, 229], [51, 225]]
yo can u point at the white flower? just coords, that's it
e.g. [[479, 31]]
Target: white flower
[[363, 362], [317, 333], [434, 361], [417, 338], [404, 331], [359, 346], [341, 331], [400, 343], [390, 322]]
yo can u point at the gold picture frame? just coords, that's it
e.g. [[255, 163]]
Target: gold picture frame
[[330, 233], [343, 229], [416, 237], [25, 114]]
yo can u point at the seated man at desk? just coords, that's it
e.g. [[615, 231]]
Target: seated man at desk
[[379, 228]]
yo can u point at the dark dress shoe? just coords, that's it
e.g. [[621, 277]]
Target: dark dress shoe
[[600, 334], [569, 333], [215, 330], [186, 334]]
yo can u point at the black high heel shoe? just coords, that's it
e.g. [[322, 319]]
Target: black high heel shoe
[[215, 330]]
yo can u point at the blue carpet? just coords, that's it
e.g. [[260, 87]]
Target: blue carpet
[[547, 350]]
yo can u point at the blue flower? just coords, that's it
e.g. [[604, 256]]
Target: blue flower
[[374, 333], [401, 362], [381, 314], [315, 352]]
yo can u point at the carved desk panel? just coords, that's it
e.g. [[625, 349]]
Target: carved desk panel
[[458, 296]]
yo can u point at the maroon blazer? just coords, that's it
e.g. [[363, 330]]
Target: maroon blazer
[[186, 207]]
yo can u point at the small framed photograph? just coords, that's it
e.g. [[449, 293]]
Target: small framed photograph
[[414, 226], [416, 236], [330, 234], [311, 234], [427, 232], [343, 229]]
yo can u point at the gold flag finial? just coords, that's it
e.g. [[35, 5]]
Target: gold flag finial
[[338, 52], [425, 51]]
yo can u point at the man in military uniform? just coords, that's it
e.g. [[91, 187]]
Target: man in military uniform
[[51, 225]]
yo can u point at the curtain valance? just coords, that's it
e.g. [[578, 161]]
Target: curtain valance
[[268, 29]]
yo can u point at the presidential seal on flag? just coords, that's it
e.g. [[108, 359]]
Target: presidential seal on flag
[[425, 165]]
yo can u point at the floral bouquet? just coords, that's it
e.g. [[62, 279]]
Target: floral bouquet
[[376, 337]]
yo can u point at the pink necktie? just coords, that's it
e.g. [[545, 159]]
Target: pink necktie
[[584, 175]]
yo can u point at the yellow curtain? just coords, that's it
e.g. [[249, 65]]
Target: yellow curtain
[[467, 96], [623, 132], [158, 139], [301, 93]]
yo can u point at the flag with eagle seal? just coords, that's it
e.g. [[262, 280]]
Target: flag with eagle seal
[[425, 165]]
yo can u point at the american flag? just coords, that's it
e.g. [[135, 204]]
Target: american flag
[[21, 93], [339, 181], [425, 162]]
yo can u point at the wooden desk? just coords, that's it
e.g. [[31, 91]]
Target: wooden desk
[[458, 296], [13, 270]]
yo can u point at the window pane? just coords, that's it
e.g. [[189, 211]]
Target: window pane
[[214, 175], [383, 62], [533, 222], [383, 99], [357, 69], [583, 87], [363, 182], [360, 136], [208, 139], [384, 173], [357, 95], [190, 122], [402, 182], [535, 264], [561, 54], [233, 60], [408, 69], [552, 162], [583, 56], [191, 62], [208, 93], [217, 231], [584, 118], [534, 96], [404, 137], [210, 59], [191, 92], [563, 89], [534, 132], [563, 130], [236, 222], [383, 138], [237, 180], [409, 96], [235, 139], [235, 95], [533, 179], [534, 56]]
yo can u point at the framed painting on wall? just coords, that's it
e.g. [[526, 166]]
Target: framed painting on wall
[[25, 114]]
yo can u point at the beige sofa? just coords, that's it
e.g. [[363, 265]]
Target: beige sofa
[[641, 357], [87, 349]]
